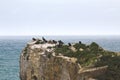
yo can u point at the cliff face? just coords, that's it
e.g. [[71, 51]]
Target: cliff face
[[40, 62]]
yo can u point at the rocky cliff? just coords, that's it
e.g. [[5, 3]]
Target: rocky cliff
[[53, 60]]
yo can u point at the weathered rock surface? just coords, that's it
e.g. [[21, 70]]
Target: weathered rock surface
[[38, 62]]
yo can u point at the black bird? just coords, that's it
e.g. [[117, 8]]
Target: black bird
[[44, 39], [33, 39], [60, 42], [54, 41], [69, 44], [80, 42]]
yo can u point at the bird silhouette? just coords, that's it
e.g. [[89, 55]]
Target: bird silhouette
[[54, 41], [80, 42], [69, 44], [33, 39], [44, 39], [60, 42]]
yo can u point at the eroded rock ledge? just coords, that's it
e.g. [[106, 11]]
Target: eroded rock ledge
[[44, 60]]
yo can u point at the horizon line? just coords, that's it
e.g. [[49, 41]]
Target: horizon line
[[55, 35]]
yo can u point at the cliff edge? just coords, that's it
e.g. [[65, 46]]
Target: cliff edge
[[54, 60]]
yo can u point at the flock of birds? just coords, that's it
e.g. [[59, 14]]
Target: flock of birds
[[60, 43], [46, 41]]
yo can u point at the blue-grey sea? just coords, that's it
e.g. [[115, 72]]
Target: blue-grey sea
[[11, 47]]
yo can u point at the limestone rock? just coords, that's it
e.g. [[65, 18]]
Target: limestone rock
[[38, 62]]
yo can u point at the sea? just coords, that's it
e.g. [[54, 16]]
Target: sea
[[11, 47]]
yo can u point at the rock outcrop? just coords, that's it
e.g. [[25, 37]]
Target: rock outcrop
[[39, 61]]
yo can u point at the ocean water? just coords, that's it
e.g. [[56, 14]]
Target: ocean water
[[11, 47]]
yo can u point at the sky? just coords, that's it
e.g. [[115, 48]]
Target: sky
[[59, 17]]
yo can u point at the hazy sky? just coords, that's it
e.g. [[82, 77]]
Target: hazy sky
[[59, 17]]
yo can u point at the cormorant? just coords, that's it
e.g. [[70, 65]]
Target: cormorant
[[33, 39], [60, 42], [54, 41], [44, 39], [69, 44], [80, 42]]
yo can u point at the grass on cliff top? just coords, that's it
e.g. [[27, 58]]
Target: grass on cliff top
[[94, 55], [88, 56], [113, 71]]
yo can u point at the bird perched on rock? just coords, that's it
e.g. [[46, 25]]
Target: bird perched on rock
[[44, 39], [33, 39], [60, 43], [54, 41], [80, 42], [69, 44]]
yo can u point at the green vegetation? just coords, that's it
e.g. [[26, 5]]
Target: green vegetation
[[78, 46], [93, 55], [89, 56], [64, 50], [113, 72]]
